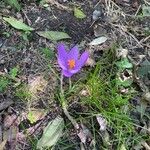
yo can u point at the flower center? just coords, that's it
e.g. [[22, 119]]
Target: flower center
[[71, 63]]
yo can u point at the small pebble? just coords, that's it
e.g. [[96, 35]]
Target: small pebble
[[96, 14]]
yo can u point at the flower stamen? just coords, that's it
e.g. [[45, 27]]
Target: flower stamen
[[71, 63]]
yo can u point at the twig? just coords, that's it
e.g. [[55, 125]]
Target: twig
[[145, 39], [28, 20], [146, 2], [137, 11], [146, 145], [58, 5]]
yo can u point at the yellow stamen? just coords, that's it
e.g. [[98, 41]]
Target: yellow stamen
[[71, 63]]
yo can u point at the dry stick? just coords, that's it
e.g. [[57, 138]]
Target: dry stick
[[146, 2], [137, 11], [125, 30], [142, 41], [145, 39], [133, 38], [58, 5], [28, 20], [146, 145]]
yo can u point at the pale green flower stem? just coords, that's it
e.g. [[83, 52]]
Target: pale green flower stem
[[70, 83], [64, 104]]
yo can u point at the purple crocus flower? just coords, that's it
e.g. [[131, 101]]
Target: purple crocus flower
[[70, 62]]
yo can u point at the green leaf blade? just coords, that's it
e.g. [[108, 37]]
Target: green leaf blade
[[14, 3], [54, 35], [144, 68], [79, 13], [98, 41], [17, 24], [52, 133], [14, 72], [124, 64]]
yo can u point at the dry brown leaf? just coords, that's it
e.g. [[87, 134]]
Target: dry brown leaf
[[122, 53], [85, 92], [37, 84], [36, 114], [90, 62], [9, 120], [145, 145], [102, 122], [2, 73], [84, 134], [11, 133], [2, 145]]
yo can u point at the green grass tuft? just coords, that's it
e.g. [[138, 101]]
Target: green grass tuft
[[105, 98], [23, 93], [4, 82]]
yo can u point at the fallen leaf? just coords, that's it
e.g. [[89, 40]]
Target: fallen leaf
[[54, 35], [102, 122], [79, 13], [11, 134], [14, 3], [84, 92], [122, 53], [90, 62], [98, 41], [2, 145], [17, 24], [36, 84], [106, 138], [36, 114], [9, 120], [84, 134], [144, 68], [52, 132], [124, 64]]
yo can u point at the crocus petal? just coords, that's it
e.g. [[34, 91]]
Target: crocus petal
[[67, 73], [74, 53], [83, 59], [62, 64], [62, 56], [80, 63]]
